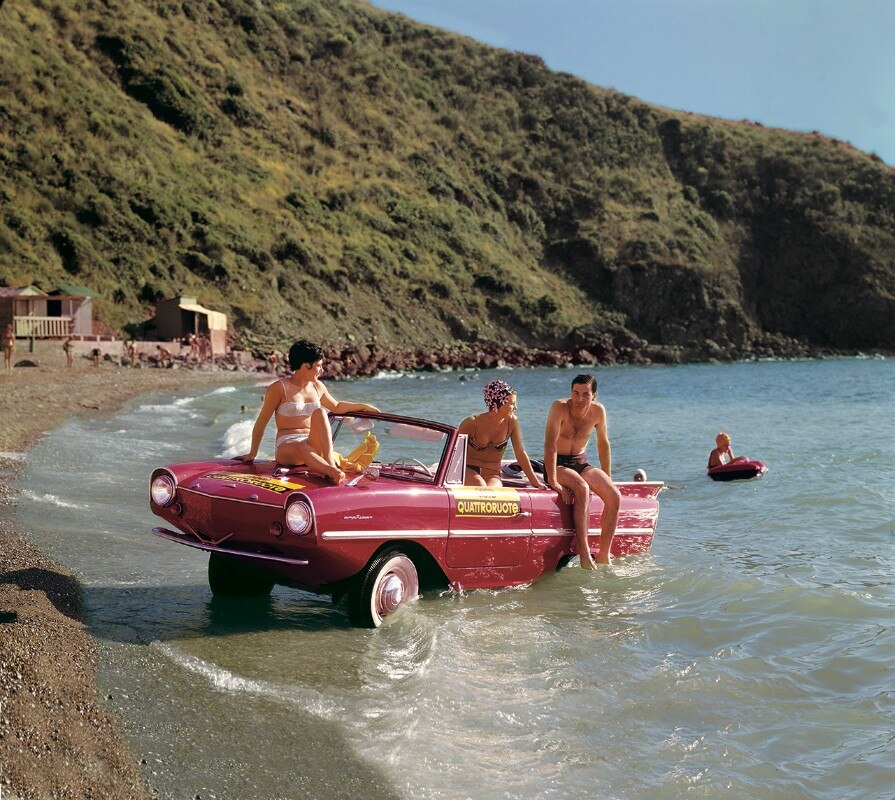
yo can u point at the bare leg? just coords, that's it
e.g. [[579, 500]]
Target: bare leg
[[473, 479], [580, 511], [606, 490], [321, 440], [301, 454], [316, 453]]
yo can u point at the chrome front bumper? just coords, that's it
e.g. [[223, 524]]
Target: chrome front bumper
[[180, 538]]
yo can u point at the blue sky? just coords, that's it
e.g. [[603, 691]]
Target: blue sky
[[825, 65]]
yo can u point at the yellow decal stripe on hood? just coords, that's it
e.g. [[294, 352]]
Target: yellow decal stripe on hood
[[271, 484]]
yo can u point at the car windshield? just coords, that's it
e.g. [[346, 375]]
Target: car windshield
[[402, 449]]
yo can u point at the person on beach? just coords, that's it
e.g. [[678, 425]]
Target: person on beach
[[132, 351], [67, 347], [569, 425], [202, 349], [163, 357], [489, 433], [9, 345], [273, 361], [722, 454], [299, 404]]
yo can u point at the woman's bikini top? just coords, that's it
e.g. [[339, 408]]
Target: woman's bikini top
[[296, 409], [475, 446]]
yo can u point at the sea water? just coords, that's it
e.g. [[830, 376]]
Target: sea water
[[750, 654]]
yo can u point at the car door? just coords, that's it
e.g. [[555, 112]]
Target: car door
[[487, 527]]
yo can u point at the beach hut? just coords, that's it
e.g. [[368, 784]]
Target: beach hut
[[75, 303], [18, 305], [64, 311], [181, 316], [34, 313]]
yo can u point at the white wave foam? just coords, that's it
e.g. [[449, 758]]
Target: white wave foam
[[13, 456], [223, 679], [265, 383], [104, 583], [223, 390], [166, 408], [388, 375], [237, 439], [52, 499], [183, 401]]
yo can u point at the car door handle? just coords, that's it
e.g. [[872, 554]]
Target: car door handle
[[524, 514]]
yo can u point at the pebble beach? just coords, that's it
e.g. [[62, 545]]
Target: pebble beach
[[57, 738]]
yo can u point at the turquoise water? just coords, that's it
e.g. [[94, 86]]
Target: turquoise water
[[749, 655]]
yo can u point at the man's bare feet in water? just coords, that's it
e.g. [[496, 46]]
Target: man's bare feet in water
[[587, 561]]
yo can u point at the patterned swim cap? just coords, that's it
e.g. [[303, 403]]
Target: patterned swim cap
[[497, 393]]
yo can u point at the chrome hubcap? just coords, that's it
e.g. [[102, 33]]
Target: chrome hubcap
[[391, 593]]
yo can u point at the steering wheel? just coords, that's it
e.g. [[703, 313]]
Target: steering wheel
[[405, 460]]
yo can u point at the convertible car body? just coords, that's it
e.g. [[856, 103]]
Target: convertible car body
[[406, 522]]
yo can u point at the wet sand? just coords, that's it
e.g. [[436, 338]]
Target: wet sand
[[56, 737]]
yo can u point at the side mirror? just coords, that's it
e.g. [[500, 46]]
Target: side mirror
[[370, 472]]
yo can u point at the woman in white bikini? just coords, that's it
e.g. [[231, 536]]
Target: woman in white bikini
[[300, 403]]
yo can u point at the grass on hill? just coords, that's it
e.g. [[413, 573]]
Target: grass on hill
[[334, 170]]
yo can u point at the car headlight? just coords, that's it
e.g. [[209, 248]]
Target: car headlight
[[161, 490], [299, 517]]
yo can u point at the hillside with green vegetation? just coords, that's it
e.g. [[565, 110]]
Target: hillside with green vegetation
[[332, 170]]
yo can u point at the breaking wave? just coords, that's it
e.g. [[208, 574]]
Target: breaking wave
[[237, 439], [306, 698], [51, 499]]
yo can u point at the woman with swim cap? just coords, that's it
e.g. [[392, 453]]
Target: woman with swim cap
[[489, 433]]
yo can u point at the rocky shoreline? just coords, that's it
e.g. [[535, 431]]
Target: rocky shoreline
[[608, 348]]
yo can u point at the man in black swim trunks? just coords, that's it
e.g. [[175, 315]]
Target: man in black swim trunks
[[569, 425]]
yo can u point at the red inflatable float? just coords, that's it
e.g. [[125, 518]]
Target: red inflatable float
[[741, 469]]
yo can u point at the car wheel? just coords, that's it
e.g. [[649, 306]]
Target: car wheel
[[388, 583], [229, 578]]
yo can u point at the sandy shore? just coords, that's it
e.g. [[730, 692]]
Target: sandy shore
[[57, 740]]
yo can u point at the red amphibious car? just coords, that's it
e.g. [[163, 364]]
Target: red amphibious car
[[406, 523]]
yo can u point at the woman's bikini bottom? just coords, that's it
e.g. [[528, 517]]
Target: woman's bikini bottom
[[298, 438]]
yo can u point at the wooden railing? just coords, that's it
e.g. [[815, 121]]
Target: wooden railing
[[42, 327]]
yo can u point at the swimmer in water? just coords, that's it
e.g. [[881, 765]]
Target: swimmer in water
[[722, 454]]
